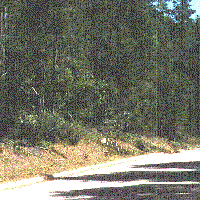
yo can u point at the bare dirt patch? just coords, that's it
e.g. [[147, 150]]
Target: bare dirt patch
[[33, 162]]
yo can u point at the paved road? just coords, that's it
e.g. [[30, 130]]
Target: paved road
[[153, 176]]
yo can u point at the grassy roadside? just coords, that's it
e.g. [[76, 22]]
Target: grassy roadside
[[29, 162]]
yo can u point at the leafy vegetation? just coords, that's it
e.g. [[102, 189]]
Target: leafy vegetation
[[126, 68]]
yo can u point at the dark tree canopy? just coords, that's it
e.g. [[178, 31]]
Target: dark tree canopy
[[131, 65]]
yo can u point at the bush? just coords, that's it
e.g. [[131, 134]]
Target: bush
[[75, 133], [37, 127]]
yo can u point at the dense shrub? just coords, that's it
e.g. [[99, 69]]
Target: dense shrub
[[35, 128]]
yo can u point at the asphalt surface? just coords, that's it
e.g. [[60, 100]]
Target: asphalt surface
[[153, 176]]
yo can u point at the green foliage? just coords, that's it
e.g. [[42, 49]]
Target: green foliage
[[37, 127], [101, 64]]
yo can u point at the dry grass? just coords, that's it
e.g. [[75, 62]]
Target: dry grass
[[33, 162]]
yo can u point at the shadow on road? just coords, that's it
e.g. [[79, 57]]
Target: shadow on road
[[157, 184], [182, 165]]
